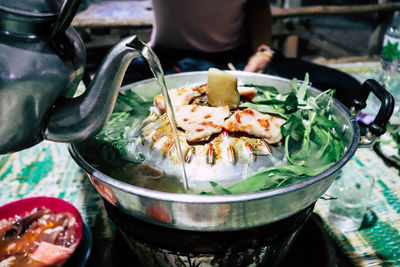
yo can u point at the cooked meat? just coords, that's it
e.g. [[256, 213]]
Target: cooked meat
[[255, 123], [200, 122], [50, 254], [179, 97]]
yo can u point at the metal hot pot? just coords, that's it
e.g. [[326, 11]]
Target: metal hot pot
[[234, 212], [236, 230]]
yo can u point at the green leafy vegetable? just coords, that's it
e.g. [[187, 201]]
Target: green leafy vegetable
[[132, 103], [269, 178], [301, 92], [311, 142], [129, 108], [264, 109]]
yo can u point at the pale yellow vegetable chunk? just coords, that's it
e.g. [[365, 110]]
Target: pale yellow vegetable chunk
[[222, 89]]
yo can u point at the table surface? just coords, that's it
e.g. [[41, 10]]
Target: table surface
[[115, 14], [48, 170]]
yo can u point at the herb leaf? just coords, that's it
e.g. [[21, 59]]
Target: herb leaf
[[264, 109], [270, 178]]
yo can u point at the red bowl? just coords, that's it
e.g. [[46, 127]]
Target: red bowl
[[22, 206]]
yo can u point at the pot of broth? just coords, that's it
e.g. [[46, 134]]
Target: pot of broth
[[230, 179]]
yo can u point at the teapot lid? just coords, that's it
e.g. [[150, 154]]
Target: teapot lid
[[32, 8]]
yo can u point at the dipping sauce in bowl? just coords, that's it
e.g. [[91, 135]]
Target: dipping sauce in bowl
[[38, 231]]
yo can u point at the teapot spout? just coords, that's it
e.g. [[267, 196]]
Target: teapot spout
[[77, 119]]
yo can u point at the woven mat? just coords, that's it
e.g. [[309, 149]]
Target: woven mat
[[377, 243]]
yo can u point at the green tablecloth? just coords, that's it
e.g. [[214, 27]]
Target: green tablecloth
[[48, 170]]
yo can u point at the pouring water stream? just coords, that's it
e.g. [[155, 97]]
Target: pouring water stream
[[158, 72]]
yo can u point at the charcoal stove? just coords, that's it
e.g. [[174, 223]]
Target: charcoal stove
[[154, 245]]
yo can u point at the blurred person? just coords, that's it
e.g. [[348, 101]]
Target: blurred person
[[194, 35]]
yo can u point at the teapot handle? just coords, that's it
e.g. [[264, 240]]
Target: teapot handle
[[67, 13]]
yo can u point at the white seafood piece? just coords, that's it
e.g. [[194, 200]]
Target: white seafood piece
[[257, 124], [247, 92], [200, 122], [179, 97]]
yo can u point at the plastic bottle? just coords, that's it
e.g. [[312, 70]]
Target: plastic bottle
[[390, 56], [390, 59]]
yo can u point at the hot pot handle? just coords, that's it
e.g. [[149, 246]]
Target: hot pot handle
[[378, 126]]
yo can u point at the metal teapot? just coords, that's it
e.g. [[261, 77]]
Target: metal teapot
[[42, 62]]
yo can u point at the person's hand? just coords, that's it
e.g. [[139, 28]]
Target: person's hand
[[259, 61]]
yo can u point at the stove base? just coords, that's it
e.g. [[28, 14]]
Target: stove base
[[154, 245]]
